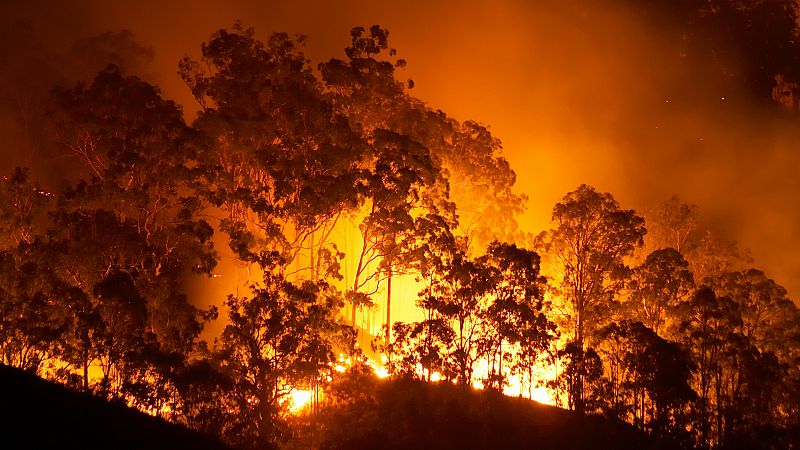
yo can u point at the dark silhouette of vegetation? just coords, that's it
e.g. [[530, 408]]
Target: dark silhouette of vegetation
[[41, 414], [363, 412]]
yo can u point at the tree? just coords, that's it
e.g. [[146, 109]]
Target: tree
[[34, 301], [649, 379], [32, 320], [714, 256], [581, 378], [671, 224], [281, 338], [711, 325], [759, 365], [459, 297], [406, 184], [406, 196], [587, 248], [364, 87], [284, 165], [657, 287], [489, 309], [420, 349], [142, 171], [766, 310], [515, 329], [24, 205], [129, 235]]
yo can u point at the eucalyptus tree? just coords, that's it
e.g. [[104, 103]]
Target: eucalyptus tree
[[365, 87], [657, 287], [710, 327], [282, 337], [649, 379], [488, 309], [284, 165], [515, 329], [587, 248], [130, 233]]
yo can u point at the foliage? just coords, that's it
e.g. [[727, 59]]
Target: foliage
[[587, 248], [281, 338], [489, 309], [656, 288]]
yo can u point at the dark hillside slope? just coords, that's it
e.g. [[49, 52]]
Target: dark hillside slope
[[405, 414], [38, 414]]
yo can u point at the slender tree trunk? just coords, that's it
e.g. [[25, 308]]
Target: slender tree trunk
[[579, 381], [389, 314], [499, 375], [85, 376], [312, 263], [356, 278], [718, 389], [530, 383]]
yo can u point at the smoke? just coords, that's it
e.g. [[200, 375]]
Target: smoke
[[579, 92]]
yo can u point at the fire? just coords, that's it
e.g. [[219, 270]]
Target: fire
[[533, 388], [299, 399]]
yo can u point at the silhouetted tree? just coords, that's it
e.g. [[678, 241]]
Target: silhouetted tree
[[587, 248], [129, 235], [710, 324], [284, 164], [515, 330], [279, 339], [657, 286], [580, 377], [405, 196], [364, 87], [649, 379]]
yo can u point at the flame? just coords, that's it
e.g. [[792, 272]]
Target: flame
[[534, 389], [299, 399], [380, 371]]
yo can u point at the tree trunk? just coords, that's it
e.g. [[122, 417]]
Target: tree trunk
[[389, 314], [85, 376], [581, 369]]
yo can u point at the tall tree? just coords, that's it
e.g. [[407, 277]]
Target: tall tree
[[406, 196], [587, 248], [657, 287], [34, 314], [649, 379], [130, 234], [515, 329], [284, 164], [488, 309], [366, 89], [278, 340], [671, 224], [710, 327]]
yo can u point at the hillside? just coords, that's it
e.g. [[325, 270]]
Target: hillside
[[39, 414], [365, 413]]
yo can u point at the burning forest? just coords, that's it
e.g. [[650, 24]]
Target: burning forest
[[290, 251]]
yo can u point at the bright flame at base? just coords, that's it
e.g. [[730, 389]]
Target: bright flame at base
[[299, 398], [532, 387]]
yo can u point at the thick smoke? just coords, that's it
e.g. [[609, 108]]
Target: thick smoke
[[579, 92]]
